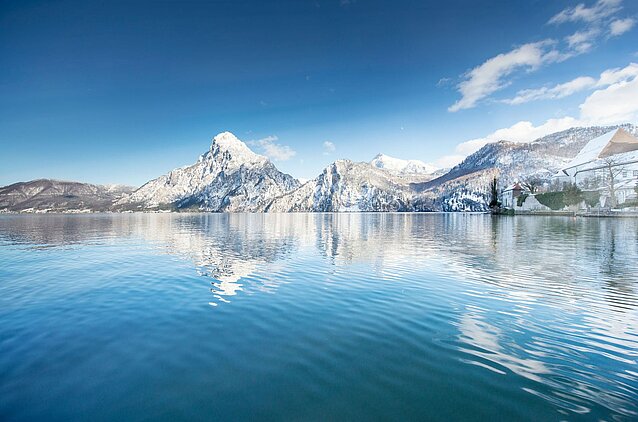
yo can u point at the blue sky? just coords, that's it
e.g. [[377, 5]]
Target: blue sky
[[121, 92]]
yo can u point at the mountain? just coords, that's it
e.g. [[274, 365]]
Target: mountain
[[348, 186], [540, 158], [402, 167], [464, 187], [229, 177], [390, 184], [56, 195]]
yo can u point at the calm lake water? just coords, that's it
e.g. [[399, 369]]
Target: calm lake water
[[317, 317]]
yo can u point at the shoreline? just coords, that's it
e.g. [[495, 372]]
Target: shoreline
[[590, 214]]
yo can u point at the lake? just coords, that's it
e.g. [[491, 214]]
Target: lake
[[317, 317]]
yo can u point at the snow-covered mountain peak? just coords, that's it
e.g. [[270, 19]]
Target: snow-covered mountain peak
[[226, 139], [226, 142], [228, 177], [402, 167]]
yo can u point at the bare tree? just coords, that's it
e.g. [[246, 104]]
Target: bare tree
[[612, 171], [532, 184]]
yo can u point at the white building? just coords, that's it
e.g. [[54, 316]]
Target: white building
[[509, 196], [608, 164]]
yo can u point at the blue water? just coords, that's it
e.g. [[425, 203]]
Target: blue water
[[317, 317]]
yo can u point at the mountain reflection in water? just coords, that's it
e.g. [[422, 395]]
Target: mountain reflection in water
[[435, 315]]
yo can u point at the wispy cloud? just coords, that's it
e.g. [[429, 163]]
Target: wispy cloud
[[582, 41], [615, 75], [444, 82], [581, 13], [555, 92], [273, 150], [598, 21], [613, 101], [608, 77], [328, 148], [620, 26], [488, 77]]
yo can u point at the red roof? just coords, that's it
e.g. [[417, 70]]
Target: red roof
[[515, 186]]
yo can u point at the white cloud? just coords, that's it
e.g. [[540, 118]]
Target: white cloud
[[581, 13], [468, 147], [328, 147], [598, 18], [523, 131], [492, 75], [488, 77], [608, 77], [612, 76], [274, 151], [448, 161], [617, 103], [582, 41], [555, 92], [620, 26]]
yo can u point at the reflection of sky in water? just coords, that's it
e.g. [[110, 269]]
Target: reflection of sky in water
[[550, 301]]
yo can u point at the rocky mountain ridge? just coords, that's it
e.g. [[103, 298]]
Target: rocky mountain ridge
[[229, 177]]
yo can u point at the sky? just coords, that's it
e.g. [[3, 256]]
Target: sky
[[122, 92]]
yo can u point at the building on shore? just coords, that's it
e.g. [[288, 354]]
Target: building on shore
[[518, 198], [607, 164], [510, 195]]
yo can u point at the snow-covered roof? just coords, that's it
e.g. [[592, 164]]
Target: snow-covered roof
[[624, 184], [621, 159], [559, 173], [611, 143]]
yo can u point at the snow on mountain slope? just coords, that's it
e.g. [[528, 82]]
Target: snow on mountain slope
[[540, 158], [228, 177], [402, 167], [469, 192], [348, 186], [464, 187]]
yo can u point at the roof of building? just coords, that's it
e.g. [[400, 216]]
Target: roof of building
[[617, 141], [559, 173], [514, 186]]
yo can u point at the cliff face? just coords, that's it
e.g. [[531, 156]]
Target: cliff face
[[348, 186]]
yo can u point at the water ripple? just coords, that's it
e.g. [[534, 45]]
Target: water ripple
[[318, 316]]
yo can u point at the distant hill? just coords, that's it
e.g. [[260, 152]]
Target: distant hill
[[57, 195]]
